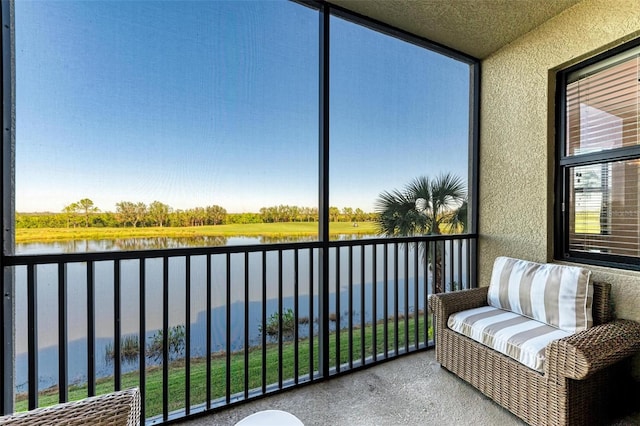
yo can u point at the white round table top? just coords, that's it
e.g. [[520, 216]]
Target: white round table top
[[270, 418]]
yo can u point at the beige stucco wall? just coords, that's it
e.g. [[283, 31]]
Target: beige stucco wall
[[517, 137]]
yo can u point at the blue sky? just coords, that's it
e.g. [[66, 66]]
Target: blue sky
[[201, 103]]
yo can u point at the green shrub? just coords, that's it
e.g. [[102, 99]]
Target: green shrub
[[175, 339], [288, 325], [130, 346], [129, 350]]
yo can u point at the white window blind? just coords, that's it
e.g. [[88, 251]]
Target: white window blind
[[602, 117]]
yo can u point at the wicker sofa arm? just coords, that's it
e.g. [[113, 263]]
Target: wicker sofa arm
[[444, 304], [580, 355], [121, 408]]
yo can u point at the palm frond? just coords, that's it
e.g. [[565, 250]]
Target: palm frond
[[397, 214], [448, 190], [458, 220], [421, 206], [420, 187]]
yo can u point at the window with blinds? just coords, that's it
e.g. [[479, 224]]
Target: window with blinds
[[597, 218]]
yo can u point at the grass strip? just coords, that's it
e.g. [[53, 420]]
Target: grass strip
[[155, 385], [273, 230]]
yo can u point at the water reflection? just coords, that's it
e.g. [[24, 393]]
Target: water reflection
[[162, 243], [159, 243], [130, 244], [279, 239]]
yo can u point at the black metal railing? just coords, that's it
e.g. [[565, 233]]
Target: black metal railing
[[202, 328]]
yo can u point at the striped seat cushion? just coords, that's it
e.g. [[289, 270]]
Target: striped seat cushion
[[516, 336], [557, 295]]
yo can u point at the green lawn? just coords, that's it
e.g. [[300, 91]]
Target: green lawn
[[300, 229], [154, 382]]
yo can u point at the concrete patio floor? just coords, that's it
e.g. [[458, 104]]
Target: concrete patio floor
[[410, 390]]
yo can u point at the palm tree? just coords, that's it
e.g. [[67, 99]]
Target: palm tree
[[425, 206]]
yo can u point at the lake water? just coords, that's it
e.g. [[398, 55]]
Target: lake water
[[47, 279]]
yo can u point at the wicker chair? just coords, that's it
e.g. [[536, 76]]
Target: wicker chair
[[580, 374], [118, 409]]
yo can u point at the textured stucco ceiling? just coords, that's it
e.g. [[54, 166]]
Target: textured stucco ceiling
[[475, 27]]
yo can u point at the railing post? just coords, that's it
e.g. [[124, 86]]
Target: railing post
[[473, 260], [32, 335], [6, 333], [63, 352]]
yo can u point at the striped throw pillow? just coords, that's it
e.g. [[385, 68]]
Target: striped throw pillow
[[557, 295]]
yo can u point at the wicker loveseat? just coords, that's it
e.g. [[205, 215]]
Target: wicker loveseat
[[120, 408], [579, 374]]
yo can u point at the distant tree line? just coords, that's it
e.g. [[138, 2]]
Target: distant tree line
[[84, 213], [310, 214]]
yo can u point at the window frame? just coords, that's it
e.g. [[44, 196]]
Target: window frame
[[564, 163]]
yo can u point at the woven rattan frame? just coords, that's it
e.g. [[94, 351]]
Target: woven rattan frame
[[121, 408], [579, 371]]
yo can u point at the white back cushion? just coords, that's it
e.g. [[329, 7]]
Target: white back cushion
[[560, 296]]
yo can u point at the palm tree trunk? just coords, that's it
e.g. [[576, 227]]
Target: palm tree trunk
[[432, 254], [438, 278]]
